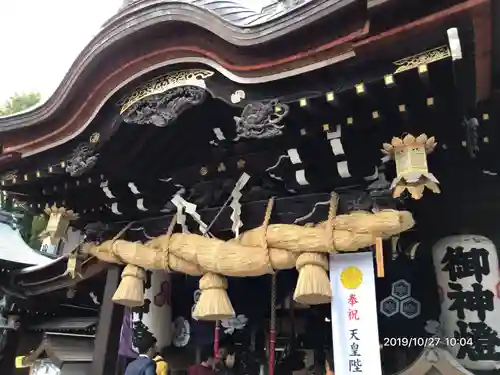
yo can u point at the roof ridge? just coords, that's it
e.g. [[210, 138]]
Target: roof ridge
[[240, 14]]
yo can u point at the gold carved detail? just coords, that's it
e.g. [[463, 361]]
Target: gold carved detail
[[221, 167], [58, 223], [190, 77], [427, 57], [241, 164], [94, 138], [10, 176]]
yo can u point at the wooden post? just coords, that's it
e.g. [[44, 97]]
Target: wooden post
[[197, 355], [121, 365], [107, 339]]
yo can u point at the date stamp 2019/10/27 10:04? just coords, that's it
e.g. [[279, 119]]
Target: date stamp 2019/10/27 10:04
[[425, 342]]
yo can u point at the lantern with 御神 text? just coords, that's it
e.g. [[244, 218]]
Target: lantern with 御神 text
[[467, 276], [412, 174]]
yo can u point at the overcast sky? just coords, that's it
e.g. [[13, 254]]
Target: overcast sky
[[40, 39]]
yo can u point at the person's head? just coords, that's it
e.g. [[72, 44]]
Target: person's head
[[223, 352], [329, 368], [225, 348], [230, 360], [147, 346], [207, 357]]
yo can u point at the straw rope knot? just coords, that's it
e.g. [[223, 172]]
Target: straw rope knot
[[332, 213], [265, 224], [165, 250]]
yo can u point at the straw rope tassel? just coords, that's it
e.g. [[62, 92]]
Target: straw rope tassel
[[313, 286], [214, 303], [130, 292]]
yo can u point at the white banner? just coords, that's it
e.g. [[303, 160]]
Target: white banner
[[155, 316], [356, 345]]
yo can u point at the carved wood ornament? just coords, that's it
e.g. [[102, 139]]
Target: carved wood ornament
[[82, 159], [162, 100], [261, 120]]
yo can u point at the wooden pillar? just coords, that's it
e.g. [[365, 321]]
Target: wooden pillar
[[107, 339], [7, 363], [121, 365]]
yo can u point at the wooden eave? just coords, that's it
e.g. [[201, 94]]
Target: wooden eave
[[63, 349], [120, 29], [73, 119], [481, 16], [82, 323], [40, 280], [495, 43]]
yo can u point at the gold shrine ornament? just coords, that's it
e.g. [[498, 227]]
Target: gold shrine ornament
[[59, 219], [412, 174], [351, 277]]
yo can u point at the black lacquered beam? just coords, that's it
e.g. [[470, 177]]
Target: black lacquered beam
[[285, 211]]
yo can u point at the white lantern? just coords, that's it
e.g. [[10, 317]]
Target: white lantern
[[468, 280], [158, 317]]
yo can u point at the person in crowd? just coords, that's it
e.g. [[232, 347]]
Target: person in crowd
[[223, 352], [144, 364], [161, 365], [225, 363], [206, 366]]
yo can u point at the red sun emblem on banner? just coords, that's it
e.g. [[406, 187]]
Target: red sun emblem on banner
[[164, 296]]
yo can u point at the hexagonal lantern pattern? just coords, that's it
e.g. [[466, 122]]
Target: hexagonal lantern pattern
[[401, 289], [389, 306], [163, 297], [410, 308], [400, 301]]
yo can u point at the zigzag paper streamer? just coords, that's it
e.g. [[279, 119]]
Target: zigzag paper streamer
[[190, 209], [236, 205]]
